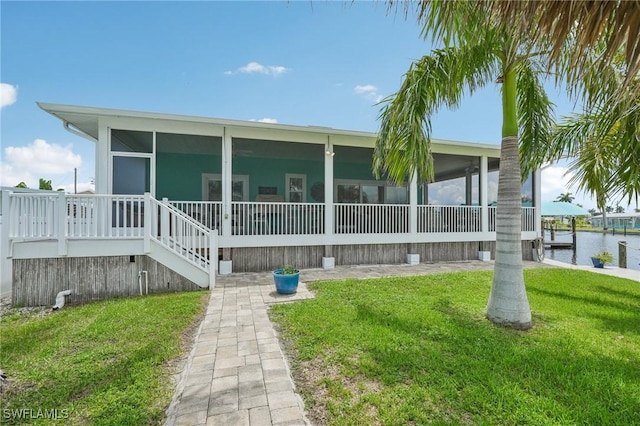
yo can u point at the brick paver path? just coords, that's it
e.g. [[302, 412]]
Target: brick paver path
[[237, 373]]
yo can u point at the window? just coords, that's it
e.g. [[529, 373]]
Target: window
[[370, 193], [296, 188], [131, 141], [131, 175], [212, 187], [396, 195]]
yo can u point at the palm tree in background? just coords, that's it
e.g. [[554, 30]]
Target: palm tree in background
[[565, 198], [476, 52]]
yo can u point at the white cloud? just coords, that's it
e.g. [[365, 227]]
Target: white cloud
[[8, 95], [554, 181], [257, 68], [369, 91], [265, 120], [37, 160]]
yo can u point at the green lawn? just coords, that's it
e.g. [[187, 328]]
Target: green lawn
[[419, 351], [104, 363]]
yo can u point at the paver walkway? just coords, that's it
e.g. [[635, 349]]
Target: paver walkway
[[236, 373]]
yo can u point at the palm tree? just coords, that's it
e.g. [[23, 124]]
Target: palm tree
[[586, 23], [476, 53], [45, 184], [565, 198]]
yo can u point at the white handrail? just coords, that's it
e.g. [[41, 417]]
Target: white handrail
[[182, 234]]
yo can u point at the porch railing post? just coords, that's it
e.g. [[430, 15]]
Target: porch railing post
[[6, 221], [213, 257], [147, 222], [61, 231], [164, 222]]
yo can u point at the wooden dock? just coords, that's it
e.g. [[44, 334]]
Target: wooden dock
[[559, 245]]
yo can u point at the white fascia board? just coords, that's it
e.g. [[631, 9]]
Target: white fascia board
[[239, 128]]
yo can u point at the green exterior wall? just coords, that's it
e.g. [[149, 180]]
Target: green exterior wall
[[179, 176]]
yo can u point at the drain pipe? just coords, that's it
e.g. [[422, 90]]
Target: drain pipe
[[146, 281], [60, 299]]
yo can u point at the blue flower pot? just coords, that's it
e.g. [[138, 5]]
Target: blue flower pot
[[286, 284], [597, 263]]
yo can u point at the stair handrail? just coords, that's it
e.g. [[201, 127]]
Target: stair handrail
[[160, 229]]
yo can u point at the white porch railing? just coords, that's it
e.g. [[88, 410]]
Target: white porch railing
[[208, 213], [54, 216], [181, 234], [254, 218], [105, 216], [38, 216], [34, 215], [449, 219], [528, 219], [371, 218]]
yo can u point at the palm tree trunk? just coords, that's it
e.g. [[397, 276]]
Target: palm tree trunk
[[508, 303]]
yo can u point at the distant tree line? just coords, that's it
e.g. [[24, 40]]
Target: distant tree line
[[43, 184]]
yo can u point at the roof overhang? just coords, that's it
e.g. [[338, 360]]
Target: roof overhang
[[86, 120]]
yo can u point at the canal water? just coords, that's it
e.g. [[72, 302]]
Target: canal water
[[589, 243]]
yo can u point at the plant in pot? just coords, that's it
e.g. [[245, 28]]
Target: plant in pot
[[286, 279], [599, 259]]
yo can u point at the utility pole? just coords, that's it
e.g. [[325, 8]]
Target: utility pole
[[75, 180]]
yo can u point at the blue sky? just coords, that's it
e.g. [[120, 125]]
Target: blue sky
[[298, 62]]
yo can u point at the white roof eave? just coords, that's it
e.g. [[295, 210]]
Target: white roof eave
[[61, 110]]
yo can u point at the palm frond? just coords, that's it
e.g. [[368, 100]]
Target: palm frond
[[617, 23], [404, 139], [535, 116]]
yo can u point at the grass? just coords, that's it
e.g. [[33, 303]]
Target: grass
[[107, 362], [419, 351]]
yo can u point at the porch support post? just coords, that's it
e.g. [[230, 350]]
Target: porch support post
[[468, 187], [62, 224], [103, 162], [483, 254], [227, 183], [484, 182], [328, 188], [413, 204]]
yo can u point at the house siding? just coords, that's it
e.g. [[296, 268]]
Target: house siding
[[258, 259], [36, 282]]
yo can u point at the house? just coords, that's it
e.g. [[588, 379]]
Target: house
[[182, 198], [618, 220]]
